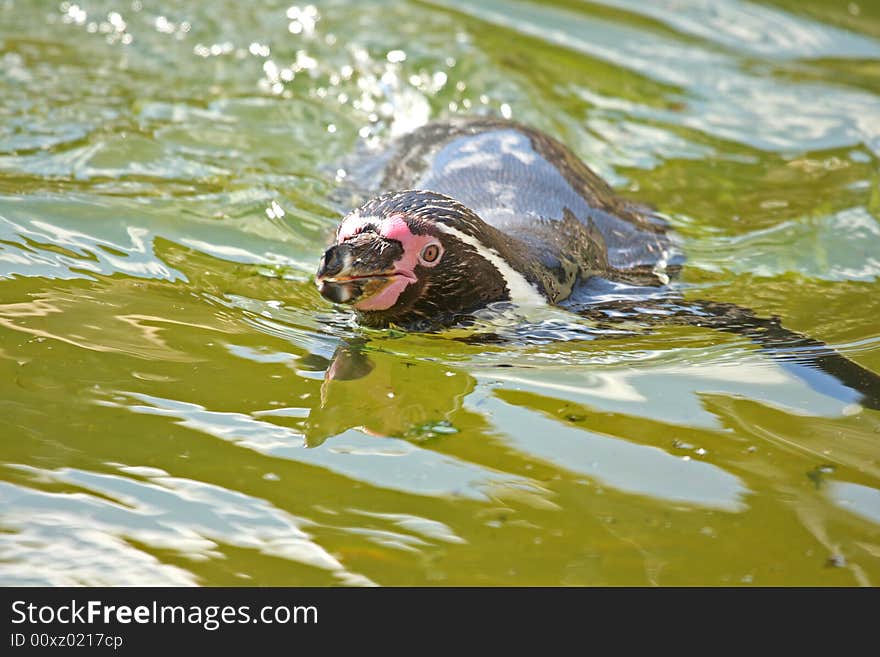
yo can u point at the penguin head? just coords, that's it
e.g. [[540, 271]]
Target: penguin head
[[413, 258]]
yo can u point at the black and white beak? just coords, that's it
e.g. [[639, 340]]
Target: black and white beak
[[357, 268]]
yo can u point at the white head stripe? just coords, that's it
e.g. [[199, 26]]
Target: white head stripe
[[522, 293]]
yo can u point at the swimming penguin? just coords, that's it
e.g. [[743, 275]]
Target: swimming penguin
[[474, 211]]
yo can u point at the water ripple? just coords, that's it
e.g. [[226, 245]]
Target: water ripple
[[628, 467], [723, 99], [844, 246], [383, 462], [754, 29], [165, 513]]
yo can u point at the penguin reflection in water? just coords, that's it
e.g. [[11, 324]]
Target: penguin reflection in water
[[472, 213]]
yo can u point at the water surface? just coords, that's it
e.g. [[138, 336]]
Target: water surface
[[169, 175]]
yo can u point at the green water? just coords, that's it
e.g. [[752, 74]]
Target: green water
[[167, 172]]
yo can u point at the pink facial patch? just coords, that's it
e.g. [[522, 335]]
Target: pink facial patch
[[392, 228]]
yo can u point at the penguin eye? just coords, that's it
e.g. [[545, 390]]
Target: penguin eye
[[430, 253]]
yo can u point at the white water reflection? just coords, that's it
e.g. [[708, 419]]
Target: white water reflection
[[90, 534], [723, 99], [754, 29], [636, 391], [83, 552], [122, 248], [75, 236], [382, 462], [634, 144], [861, 500], [838, 247], [626, 466], [426, 528]]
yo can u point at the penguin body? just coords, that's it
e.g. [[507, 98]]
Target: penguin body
[[519, 216], [471, 212]]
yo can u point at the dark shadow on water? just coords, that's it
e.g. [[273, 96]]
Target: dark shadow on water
[[818, 365], [822, 368]]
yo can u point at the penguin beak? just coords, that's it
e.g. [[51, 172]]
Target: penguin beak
[[358, 268]]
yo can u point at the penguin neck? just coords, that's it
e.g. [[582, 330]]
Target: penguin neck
[[525, 278]]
